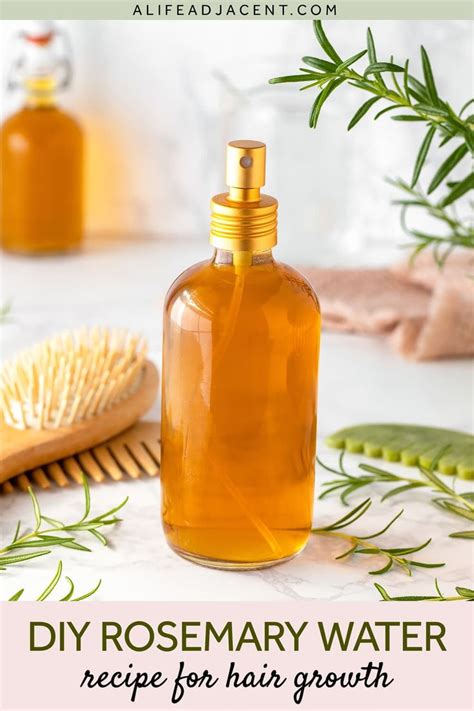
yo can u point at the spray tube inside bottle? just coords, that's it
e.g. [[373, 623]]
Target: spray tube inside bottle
[[243, 222]]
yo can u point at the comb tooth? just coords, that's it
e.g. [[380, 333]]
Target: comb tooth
[[57, 474], [155, 450], [23, 482], [124, 459], [72, 469], [143, 458], [7, 488], [108, 463], [39, 477], [90, 466]]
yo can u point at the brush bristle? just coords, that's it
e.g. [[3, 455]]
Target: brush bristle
[[72, 377]]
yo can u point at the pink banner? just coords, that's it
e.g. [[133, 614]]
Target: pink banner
[[221, 656]]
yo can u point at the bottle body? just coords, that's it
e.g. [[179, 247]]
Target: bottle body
[[240, 359], [41, 182]]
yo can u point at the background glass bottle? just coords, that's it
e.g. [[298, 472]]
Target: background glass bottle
[[41, 151], [240, 358]]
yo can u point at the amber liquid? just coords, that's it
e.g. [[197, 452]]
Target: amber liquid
[[41, 181], [240, 361]]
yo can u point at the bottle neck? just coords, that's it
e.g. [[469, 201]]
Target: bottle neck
[[242, 259], [40, 92]]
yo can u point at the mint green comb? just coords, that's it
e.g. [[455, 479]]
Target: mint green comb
[[411, 445]]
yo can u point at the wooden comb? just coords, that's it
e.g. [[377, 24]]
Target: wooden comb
[[130, 454], [69, 394]]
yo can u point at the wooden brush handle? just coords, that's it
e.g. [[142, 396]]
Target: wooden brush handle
[[22, 450]]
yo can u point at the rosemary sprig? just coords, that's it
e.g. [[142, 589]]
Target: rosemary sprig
[[462, 594], [365, 545], [460, 234], [68, 597], [50, 533], [398, 89], [346, 484]]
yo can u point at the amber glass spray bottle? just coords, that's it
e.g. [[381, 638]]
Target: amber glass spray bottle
[[240, 363], [41, 151]]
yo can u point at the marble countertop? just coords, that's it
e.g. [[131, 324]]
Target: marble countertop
[[119, 282]]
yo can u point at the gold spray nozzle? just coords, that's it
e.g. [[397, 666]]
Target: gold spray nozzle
[[243, 219], [245, 165]]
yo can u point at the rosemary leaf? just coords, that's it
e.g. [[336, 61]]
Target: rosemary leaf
[[36, 507], [378, 67], [12, 559], [401, 490], [429, 79], [383, 570], [322, 64], [87, 498], [351, 60], [447, 166], [16, 596], [320, 99], [462, 534], [422, 153], [70, 593], [17, 531], [385, 528], [100, 537], [292, 78], [465, 106], [407, 117], [88, 594], [406, 84], [324, 42], [349, 518], [361, 111], [385, 110], [372, 55], [50, 587], [436, 111], [348, 552], [418, 88], [460, 189], [53, 522]]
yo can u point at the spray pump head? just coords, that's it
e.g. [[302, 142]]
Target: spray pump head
[[244, 220]]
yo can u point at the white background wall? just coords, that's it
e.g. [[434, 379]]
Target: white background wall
[[158, 100]]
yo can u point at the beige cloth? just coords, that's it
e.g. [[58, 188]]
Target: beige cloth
[[427, 312]]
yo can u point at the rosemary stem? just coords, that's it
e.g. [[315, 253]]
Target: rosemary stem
[[430, 485], [29, 536], [351, 539]]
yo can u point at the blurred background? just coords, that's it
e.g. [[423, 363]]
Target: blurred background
[[157, 106]]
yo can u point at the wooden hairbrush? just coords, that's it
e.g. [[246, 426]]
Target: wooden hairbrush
[[69, 394]]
